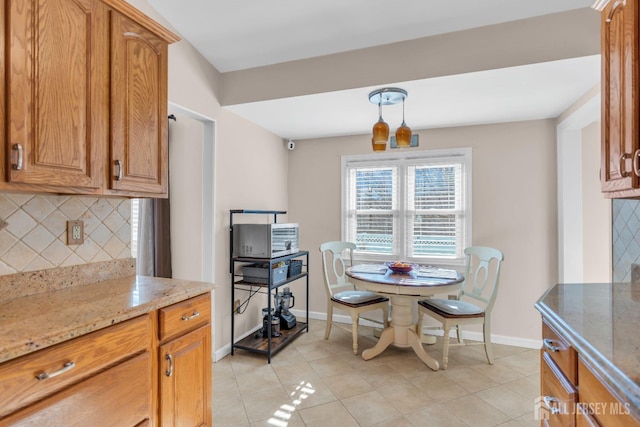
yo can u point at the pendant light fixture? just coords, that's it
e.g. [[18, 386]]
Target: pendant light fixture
[[389, 96]]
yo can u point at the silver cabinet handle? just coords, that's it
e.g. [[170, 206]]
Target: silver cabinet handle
[[548, 343], [170, 359], [119, 174], [549, 401], [636, 163], [623, 157], [66, 367], [613, 9], [193, 316], [18, 165]]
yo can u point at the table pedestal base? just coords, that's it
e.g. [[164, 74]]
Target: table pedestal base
[[401, 332]]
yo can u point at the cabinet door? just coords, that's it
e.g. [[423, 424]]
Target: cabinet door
[[139, 134], [57, 96], [619, 168], [185, 380]]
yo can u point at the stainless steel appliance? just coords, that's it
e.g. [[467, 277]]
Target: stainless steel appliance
[[265, 240]]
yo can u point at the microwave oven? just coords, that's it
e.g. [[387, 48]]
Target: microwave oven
[[265, 240]]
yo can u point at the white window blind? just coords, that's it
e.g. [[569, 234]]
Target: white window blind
[[414, 208]]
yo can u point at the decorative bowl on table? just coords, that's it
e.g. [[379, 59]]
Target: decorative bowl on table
[[399, 267]]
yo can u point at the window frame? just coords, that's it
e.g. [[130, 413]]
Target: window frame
[[405, 159]]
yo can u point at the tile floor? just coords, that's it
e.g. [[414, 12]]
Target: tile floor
[[318, 382]]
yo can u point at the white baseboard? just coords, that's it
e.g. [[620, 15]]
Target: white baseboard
[[341, 318]]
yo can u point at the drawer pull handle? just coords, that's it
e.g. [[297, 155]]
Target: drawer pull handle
[[18, 165], [66, 367], [552, 404], [548, 343], [170, 359], [193, 316]]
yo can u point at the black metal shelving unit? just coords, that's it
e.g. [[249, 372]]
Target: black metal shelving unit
[[252, 342]]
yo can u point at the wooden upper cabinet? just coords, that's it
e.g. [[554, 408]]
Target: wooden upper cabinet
[[139, 140], [620, 167], [56, 95], [83, 98]]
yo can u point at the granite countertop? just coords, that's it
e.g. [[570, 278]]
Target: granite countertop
[[601, 321], [36, 321]]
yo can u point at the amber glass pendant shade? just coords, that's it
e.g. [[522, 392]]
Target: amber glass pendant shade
[[380, 131], [403, 136], [378, 146]]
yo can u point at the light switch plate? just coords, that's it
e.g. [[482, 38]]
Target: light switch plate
[[75, 232]]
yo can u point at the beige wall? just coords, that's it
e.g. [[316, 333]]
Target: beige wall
[[596, 212], [514, 208]]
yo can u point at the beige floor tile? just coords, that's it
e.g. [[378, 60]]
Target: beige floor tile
[[526, 362], [503, 399], [280, 419], [469, 379], [348, 385], [331, 366], [526, 387], [228, 412], [264, 404], [528, 420], [438, 387], [370, 408], [497, 372], [396, 422], [406, 397], [435, 415], [381, 375], [475, 412], [330, 414], [260, 379], [295, 373], [310, 393]]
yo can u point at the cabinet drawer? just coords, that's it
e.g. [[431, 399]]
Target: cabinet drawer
[[600, 403], [560, 351], [184, 316], [119, 396], [557, 393], [19, 383], [583, 419]]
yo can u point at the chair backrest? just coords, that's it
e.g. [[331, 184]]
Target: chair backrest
[[333, 264], [482, 275]]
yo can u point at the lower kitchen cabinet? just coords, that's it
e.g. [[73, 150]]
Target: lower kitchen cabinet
[[154, 369], [119, 396], [185, 380]]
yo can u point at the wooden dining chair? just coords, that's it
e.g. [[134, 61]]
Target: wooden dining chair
[[482, 274], [349, 298]]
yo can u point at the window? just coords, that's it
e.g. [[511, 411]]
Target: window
[[413, 206]]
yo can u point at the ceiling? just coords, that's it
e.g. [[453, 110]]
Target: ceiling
[[242, 34]]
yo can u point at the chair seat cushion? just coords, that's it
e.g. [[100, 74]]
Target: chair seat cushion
[[452, 308], [357, 298]]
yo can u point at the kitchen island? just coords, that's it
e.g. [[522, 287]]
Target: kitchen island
[[97, 343], [590, 360]]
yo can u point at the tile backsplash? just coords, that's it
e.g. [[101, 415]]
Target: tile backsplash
[[625, 238], [34, 236]]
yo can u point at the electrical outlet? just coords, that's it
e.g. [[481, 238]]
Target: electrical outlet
[[75, 232], [236, 306]]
